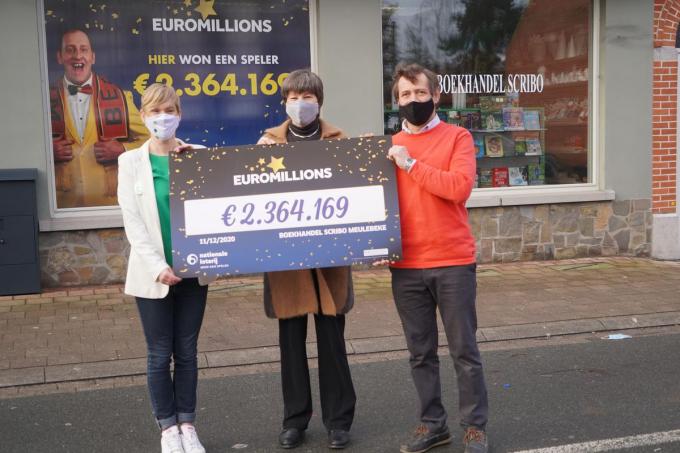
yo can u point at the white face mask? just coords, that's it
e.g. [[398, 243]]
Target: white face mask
[[162, 126], [301, 112]]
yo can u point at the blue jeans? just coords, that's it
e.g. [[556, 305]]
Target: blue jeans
[[171, 326]]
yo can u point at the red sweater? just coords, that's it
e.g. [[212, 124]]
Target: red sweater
[[434, 221]]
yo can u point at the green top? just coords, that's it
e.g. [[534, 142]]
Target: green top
[[161, 184]]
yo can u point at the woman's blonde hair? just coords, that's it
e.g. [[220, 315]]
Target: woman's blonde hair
[[159, 93]]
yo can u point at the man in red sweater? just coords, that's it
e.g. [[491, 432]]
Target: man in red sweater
[[436, 172]]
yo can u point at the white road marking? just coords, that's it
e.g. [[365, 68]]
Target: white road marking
[[664, 437]]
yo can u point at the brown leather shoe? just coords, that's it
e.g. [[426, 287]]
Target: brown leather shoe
[[475, 441], [423, 439]]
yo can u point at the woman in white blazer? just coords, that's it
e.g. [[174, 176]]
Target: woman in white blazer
[[170, 308]]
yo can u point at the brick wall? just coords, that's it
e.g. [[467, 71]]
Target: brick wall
[[666, 15], [664, 115]]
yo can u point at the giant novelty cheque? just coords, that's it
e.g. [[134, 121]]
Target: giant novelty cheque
[[257, 208]]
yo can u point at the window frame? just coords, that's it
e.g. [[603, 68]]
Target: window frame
[[594, 190]]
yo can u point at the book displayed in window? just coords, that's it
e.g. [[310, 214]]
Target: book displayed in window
[[513, 119], [520, 145], [518, 176], [492, 120], [533, 147], [532, 120], [494, 145], [536, 174], [485, 178], [479, 145], [499, 177], [471, 119]]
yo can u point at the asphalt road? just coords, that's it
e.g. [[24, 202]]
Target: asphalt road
[[540, 397]]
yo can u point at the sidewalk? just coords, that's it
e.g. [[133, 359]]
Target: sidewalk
[[92, 333]]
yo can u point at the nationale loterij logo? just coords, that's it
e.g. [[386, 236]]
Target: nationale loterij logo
[[192, 259]]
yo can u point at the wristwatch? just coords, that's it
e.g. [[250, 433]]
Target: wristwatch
[[410, 162]]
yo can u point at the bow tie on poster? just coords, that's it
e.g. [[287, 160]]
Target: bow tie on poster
[[74, 89]]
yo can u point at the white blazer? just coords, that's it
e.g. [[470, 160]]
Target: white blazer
[[137, 200]]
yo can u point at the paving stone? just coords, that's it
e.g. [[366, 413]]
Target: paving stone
[[93, 370], [659, 319], [514, 301], [243, 356], [24, 376], [384, 344], [623, 322], [27, 362], [541, 330]]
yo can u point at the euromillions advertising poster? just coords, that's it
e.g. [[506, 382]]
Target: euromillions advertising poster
[[226, 60]]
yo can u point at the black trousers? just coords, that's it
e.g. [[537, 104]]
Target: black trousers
[[335, 381], [418, 294]]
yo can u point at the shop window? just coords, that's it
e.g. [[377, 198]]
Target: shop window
[[514, 72]]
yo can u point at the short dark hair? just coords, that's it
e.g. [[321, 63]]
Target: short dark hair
[[303, 81], [411, 71], [70, 31]]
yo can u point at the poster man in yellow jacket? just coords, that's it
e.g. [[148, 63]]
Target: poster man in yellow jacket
[[93, 122]]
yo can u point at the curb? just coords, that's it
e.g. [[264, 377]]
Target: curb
[[53, 374]]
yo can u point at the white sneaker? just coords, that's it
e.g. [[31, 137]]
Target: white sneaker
[[171, 441], [190, 440]]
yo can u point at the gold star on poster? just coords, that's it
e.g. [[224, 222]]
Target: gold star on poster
[[205, 7], [187, 3], [276, 164], [261, 161]]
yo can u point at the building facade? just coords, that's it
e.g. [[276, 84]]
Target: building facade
[[601, 76], [666, 244]]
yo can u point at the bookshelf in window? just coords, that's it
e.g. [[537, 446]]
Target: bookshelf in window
[[509, 143]]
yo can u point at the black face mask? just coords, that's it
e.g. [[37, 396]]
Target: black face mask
[[417, 113]]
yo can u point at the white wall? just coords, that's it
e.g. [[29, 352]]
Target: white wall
[[350, 64], [22, 122], [626, 72]]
